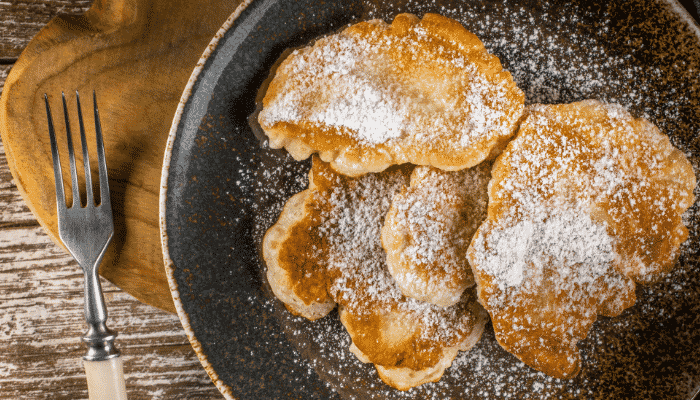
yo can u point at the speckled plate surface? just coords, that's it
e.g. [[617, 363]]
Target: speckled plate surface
[[222, 188]]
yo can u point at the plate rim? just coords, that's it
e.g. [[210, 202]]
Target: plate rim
[[674, 6], [168, 263]]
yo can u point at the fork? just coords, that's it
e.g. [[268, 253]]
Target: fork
[[86, 233]]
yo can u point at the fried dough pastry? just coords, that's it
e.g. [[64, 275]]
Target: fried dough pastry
[[330, 246], [400, 338], [423, 91], [291, 253], [585, 202], [428, 229]]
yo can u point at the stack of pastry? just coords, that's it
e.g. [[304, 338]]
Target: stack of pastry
[[437, 200]]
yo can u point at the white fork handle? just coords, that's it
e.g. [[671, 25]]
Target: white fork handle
[[105, 379]]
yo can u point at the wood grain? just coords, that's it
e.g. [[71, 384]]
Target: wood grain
[[41, 322], [20, 20], [138, 56]]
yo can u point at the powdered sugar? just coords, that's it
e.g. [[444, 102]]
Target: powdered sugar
[[429, 228], [372, 112], [577, 202], [364, 88], [568, 240], [352, 228], [360, 280], [375, 115]]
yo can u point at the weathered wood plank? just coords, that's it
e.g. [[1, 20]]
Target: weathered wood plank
[[13, 210], [20, 20], [4, 70], [5, 175]]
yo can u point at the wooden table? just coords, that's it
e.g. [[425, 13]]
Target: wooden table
[[41, 315]]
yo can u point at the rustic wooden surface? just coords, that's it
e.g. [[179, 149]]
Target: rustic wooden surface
[[20, 20], [41, 316], [40, 285], [4, 69], [137, 55]]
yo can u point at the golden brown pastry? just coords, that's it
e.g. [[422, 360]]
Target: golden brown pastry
[[291, 253], [583, 203], [428, 229], [330, 244], [423, 91], [411, 343]]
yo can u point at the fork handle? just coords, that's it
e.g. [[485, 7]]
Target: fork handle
[[105, 379]]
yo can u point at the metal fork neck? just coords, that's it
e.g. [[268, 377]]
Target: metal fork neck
[[99, 338], [100, 343]]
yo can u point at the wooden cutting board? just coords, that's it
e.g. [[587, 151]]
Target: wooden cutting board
[[137, 55]]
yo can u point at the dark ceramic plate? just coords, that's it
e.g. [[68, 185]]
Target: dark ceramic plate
[[222, 188]]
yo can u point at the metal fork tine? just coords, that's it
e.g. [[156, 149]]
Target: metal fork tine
[[57, 174], [86, 156], [71, 156], [101, 162]]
